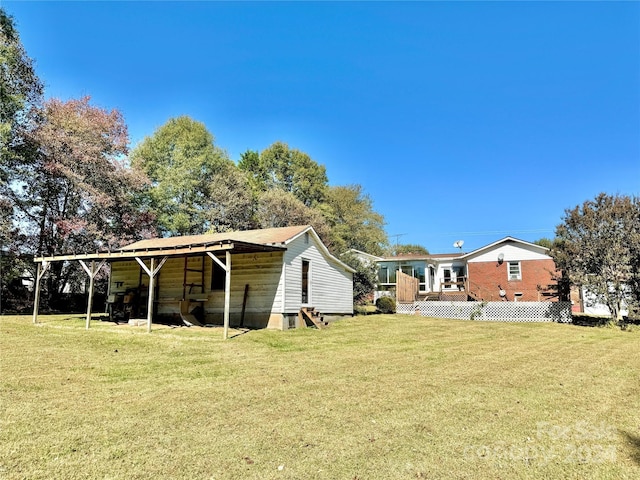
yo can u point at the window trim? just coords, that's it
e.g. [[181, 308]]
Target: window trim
[[305, 290], [514, 276]]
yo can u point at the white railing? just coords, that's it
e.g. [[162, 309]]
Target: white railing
[[491, 311]]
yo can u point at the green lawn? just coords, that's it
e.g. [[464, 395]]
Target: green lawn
[[373, 397]]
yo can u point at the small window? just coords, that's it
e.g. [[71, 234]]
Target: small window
[[517, 297], [305, 281], [306, 238], [218, 277], [447, 278], [514, 271]]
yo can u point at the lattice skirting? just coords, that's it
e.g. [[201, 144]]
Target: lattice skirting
[[491, 311]]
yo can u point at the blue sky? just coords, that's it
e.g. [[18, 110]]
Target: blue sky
[[461, 120]]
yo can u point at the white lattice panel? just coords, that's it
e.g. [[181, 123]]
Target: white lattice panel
[[406, 308], [492, 311]]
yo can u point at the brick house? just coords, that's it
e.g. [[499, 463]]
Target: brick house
[[508, 269], [511, 270]]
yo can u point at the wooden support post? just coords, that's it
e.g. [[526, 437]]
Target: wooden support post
[[151, 293], [36, 300], [90, 299], [227, 288], [92, 272], [152, 272], [227, 295], [42, 268]]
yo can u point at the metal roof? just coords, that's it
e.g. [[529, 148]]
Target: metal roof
[[248, 241], [266, 236]]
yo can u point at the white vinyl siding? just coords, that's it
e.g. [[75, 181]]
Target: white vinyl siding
[[330, 284], [511, 252]]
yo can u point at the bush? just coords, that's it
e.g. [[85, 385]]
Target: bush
[[364, 309], [386, 305]]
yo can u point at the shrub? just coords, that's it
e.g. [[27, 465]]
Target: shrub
[[364, 309], [386, 305]]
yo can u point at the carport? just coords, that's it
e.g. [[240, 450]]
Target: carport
[[151, 255]]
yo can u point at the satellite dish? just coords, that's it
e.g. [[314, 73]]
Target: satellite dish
[[458, 244]]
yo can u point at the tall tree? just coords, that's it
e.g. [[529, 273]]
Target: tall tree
[[598, 245], [20, 93], [544, 242], [255, 171], [354, 222], [277, 208], [231, 203], [183, 163], [20, 88], [289, 170], [365, 278], [409, 248], [77, 194]]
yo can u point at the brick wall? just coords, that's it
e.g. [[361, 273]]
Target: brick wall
[[486, 279]]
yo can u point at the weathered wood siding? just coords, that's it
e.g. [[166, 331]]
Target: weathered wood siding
[[330, 285], [124, 276], [261, 271]]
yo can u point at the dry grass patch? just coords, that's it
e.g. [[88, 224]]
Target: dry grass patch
[[371, 397]]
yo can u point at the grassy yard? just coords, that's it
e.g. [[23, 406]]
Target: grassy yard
[[386, 396]]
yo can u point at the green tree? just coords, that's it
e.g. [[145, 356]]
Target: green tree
[[20, 88], [354, 222], [277, 208], [20, 94], [186, 168], [544, 242], [408, 248], [255, 170], [365, 278], [231, 204], [289, 170], [598, 246]]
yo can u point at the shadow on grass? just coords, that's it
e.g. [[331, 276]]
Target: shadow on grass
[[584, 320], [239, 331], [589, 320], [634, 442]]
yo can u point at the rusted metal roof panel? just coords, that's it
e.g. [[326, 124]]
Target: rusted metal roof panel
[[266, 236]]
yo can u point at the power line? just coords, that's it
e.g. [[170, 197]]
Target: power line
[[486, 232]]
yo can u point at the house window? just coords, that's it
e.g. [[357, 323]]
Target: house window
[[459, 271], [306, 238], [392, 276], [218, 277], [383, 275], [419, 274], [305, 281], [407, 270], [517, 297], [447, 278], [514, 271]]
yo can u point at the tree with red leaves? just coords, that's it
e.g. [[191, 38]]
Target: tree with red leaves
[[76, 193]]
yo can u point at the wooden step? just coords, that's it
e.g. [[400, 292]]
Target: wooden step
[[310, 314]]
